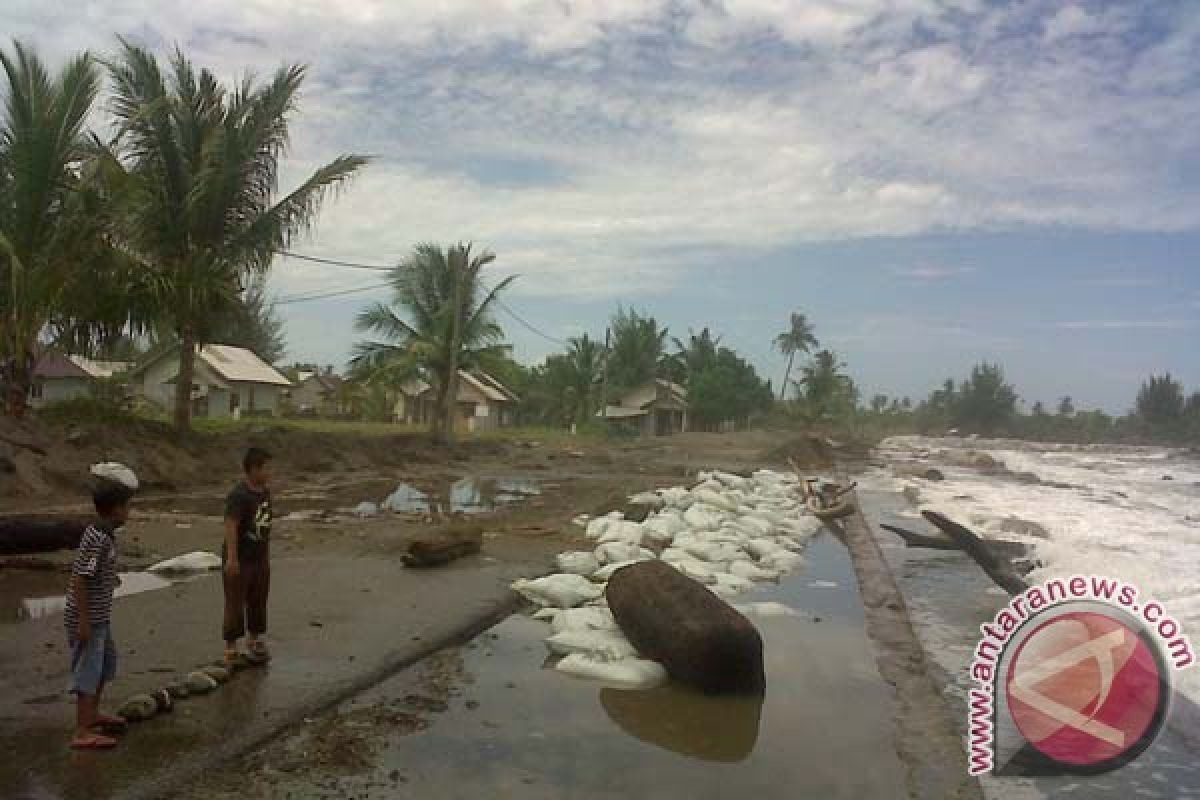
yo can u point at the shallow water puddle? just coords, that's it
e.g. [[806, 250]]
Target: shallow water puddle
[[512, 728], [29, 595]]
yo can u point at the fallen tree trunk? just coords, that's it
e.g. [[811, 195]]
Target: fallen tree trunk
[[912, 539], [998, 569], [40, 534], [442, 547], [698, 637]]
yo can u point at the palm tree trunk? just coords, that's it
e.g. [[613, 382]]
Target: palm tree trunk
[[450, 398], [183, 382], [786, 375], [20, 378]]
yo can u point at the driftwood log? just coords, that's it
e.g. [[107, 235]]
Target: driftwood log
[[40, 534], [998, 569], [698, 637], [442, 547], [1002, 548]]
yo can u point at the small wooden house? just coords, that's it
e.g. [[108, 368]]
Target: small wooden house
[[657, 408], [483, 403]]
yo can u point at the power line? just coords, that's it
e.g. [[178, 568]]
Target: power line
[[334, 262], [335, 293], [375, 267]]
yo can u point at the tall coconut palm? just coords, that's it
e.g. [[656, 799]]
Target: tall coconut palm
[[798, 338], [441, 320], [584, 360], [695, 355], [46, 241], [638, 346], [205, 213]]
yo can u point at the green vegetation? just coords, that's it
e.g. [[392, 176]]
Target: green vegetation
[[450, 326], [48, 239], [798, 338]]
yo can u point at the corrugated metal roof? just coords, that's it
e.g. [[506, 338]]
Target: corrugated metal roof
[[53, 364], [100, 369], [240, 365]]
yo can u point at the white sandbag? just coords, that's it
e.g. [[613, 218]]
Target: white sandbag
[[631, 673], [199, 561], [581, 520], [547, 614], [115, 472], [696, 570], [673, 554], [613, 552], [559, 591], [707, 484], [762, 547], [652, 499], [723, 592], [756, 526], [783, 561], [751, 571], [715, 499], [661, 530], [603, 574], [579, 562], [597, 527], [608, 645], [589, 618], [767, 609], [700, 520], [623, 531], [365, 509], [733, 583], [676, 497], [714, 553]]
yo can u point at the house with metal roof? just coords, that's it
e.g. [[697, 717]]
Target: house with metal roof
[[656, 408], [228, 382], [58, 377], [483, 403], [317, 392]]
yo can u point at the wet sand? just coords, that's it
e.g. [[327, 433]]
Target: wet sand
[[512, 727]]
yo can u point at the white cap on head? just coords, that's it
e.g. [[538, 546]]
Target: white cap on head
[[117, 473]]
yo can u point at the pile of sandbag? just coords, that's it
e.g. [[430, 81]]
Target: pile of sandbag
[[728, 532]]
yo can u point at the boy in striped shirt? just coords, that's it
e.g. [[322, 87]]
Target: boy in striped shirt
[[89, 612]]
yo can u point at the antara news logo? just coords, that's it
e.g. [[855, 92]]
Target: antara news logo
[[1073, 676]]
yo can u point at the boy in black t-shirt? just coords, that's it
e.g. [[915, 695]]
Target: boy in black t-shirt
[[245, 560]]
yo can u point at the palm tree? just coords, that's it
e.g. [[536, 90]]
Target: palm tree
[[204, 213], [698, 353], [46, 242], [637, 349], [584, 362], [450, 325], [798, 338], [825, 389]]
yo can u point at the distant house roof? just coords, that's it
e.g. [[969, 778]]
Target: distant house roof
[[53, 364], [650, 392], [482, 382], [100, 369], [234, 364]]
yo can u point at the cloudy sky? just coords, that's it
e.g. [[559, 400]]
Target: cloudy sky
[[934, 182]]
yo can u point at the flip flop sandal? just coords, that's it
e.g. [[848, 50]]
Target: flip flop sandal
[[110, 724], [94, 742], [258, 655], [236, 660]]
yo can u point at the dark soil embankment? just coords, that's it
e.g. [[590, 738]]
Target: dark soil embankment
[[39, 460]]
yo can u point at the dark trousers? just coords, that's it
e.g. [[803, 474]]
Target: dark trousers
[[246, 599]]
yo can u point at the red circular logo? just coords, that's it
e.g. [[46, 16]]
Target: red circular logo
[[1084, 688]]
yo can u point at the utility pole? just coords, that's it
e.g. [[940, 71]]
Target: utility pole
[[604, 379]]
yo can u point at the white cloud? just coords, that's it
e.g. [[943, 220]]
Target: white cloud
[[932, 273], [1128, 324], [661, 129]]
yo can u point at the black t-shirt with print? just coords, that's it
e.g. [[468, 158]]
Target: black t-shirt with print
[[252, 510]]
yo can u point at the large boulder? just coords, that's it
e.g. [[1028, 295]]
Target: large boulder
[[698, 637]]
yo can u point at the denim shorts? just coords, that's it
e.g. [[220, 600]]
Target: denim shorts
[[93, 662]]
